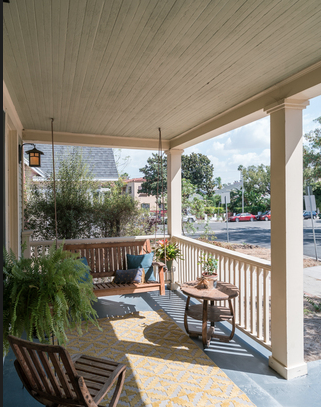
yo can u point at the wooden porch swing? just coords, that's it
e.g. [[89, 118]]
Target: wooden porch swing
[[104, 259]]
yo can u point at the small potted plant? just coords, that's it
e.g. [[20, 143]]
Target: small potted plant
[[170, 250], [209, 266], [46, 295]]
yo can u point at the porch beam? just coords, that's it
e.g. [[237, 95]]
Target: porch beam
[[303, 85], [174, 192], [287, 331], [92, 140]]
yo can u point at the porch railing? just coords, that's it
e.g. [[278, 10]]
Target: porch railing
[[37, 247], [251, 275]]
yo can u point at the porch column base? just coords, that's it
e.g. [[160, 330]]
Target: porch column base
[[288, 372]]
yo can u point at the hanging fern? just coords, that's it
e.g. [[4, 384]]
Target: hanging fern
[[46, 296]]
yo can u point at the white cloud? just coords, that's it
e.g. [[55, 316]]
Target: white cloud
[[137, 160]]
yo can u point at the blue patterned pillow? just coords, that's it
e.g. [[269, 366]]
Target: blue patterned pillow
[[142, 260], [87, 274], [129, 276]]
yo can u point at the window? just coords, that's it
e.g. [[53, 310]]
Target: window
[[145, 206], [129, 190]]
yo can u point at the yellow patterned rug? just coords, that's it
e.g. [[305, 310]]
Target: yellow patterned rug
[[165, 367]]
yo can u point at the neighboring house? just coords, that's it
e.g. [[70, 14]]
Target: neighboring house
[[133, 188], [237, 185], [100, 160]]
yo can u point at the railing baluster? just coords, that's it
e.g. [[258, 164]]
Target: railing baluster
[[237, 299], [247, 297], [242, 294], [259, 311], [253, 299], [266, 285]]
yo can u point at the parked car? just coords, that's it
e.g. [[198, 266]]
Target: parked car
[[189, 218], [307, 215], [265, 216], [242, 217]]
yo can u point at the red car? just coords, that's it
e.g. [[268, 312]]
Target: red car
[[266, 216], [242, 217]]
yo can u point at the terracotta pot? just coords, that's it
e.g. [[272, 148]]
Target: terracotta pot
[[212, 278]]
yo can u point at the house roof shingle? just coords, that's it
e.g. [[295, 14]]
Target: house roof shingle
[[100, 160]]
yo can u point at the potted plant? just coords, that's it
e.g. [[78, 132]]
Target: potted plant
[[45, 295], [209, 266], [169, 250]]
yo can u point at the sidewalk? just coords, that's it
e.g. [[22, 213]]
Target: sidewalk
[[312, 280]]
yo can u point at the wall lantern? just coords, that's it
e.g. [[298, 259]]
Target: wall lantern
[[34, 155]]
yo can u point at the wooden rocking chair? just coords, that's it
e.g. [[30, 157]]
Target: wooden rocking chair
[[53, 378]]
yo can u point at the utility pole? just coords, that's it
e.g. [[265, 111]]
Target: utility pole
[[241, 174]]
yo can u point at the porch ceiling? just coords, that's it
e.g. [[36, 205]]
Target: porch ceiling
[[125, 68]]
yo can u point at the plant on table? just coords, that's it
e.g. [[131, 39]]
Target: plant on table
[[208, 263], [46, 295]]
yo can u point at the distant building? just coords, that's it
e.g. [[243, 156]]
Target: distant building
[[133, 187], [236, 185], [101, 161]]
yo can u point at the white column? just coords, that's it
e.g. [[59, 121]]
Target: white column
[[174, 192], [287, 335]]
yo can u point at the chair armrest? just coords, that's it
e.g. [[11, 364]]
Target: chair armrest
[[158, 263], [161, 270]]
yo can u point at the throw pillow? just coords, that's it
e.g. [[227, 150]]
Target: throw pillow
[[142, 260], [129, 276], [87, 275]]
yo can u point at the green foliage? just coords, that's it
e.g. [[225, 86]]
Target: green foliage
[[46, 295], [312, 162], [257, 190], [219, 210], [172, 251], [74, 185], [82, 212], [209, 210], [154, 175], [208, 234], [316, 306], [218, 182], [208, 263], [114, 212], [197, 168], [213, 200]]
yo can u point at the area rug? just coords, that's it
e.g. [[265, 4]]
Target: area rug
[[165, 367]]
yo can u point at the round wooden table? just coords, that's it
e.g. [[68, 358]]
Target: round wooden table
[[212, 313]]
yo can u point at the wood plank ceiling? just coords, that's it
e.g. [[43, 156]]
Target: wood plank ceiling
[[123, 68]]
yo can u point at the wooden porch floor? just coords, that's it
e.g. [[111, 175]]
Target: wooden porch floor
[[245, 363]]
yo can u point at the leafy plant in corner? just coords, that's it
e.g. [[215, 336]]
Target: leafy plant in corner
[[46, 295]]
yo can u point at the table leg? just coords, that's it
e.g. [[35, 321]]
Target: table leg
[[233, 318], [227, 338], [204, 324], [185, 315]]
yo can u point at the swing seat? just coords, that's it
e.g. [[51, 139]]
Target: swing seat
[[104, 259]]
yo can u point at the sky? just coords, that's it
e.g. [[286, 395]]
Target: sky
[[247, 145]]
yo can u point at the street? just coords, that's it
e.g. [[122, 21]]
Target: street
[[258, 233]]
